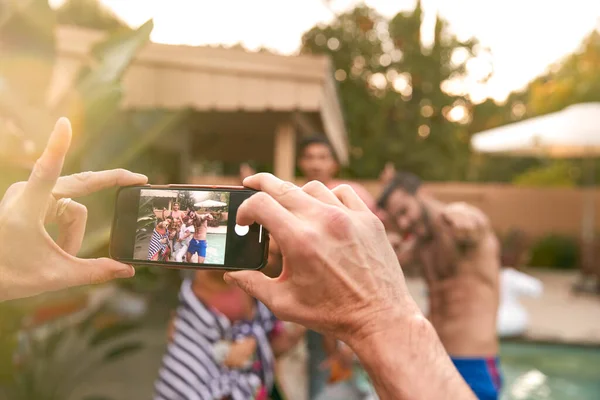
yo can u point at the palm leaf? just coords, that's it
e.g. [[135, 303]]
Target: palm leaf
[[122, 350], [111, 332]]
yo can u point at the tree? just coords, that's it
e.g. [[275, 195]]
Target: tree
[[392, 92], [186, 200], [352, 43], [574, 79], [105, 137], [89, 14]]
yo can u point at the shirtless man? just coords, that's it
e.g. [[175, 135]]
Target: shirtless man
[[198, 243], [459, 253], [175, 214]]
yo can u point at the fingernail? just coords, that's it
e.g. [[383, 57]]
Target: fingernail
[[140, 176], [125, 273]]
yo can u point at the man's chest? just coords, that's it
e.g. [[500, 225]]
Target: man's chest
[[440, 257]]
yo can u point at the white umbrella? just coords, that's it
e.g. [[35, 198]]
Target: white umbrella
[[571, 133], [210, 204]]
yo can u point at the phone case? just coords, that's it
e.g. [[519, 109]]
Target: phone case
[[184, 266]]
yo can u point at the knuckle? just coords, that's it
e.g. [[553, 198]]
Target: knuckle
[[83, 177], [286, 188], [15, 188], [81, 209], [313, 185], [258, 200], [344, 187], [377, 223], [40, 170], [120, 174], [338, 222]]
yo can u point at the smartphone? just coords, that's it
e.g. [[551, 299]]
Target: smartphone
[[186, 226]]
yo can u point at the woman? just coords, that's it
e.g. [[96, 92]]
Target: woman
[[158, 249], [222, 344]]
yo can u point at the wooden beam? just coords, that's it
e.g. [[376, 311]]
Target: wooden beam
[[185, 159], [285, 151]]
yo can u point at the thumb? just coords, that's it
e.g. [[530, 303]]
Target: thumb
[[100, 270], [255, 283]]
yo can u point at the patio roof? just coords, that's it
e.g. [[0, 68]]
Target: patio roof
[[215, 81]]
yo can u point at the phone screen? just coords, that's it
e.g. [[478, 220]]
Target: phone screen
[[186, 228]]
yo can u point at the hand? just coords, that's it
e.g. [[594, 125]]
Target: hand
[[340, 275], [467, 223], [30, 261], [240, 353], [275, 259]]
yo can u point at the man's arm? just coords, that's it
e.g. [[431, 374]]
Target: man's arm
[[467, 223], [406, 360], [206, 217]]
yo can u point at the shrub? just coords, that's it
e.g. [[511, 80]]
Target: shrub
[[555, 251]]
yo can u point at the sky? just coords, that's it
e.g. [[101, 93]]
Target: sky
[[524, 36]]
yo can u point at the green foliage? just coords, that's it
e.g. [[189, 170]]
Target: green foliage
[[575, 79], [391, 92], [89, 14], [104, 136], [555, 251], [50, 364], [556, 174], [186, 201]]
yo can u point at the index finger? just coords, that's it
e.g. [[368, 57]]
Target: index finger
[[285, 193], [85, 183], [48, 167]]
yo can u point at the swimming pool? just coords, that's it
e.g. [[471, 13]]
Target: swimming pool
[[215, 253], [544, 372]]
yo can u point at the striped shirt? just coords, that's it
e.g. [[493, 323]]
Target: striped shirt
[[155, 243], [189, 370]]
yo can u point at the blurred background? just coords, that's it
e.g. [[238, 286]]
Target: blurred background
[[187, 90]]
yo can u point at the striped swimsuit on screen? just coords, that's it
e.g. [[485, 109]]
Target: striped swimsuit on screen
[[155, 244], [189, 370]]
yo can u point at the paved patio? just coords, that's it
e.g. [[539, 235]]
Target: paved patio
[[557, 316]]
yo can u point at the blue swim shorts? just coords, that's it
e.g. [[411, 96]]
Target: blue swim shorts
[[482, 375], [197, 247]]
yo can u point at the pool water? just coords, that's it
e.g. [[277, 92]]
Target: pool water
[[544, 372], [215, 253]]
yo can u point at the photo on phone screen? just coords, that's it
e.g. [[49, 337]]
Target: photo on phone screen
[[189, 228], [182, 226]]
